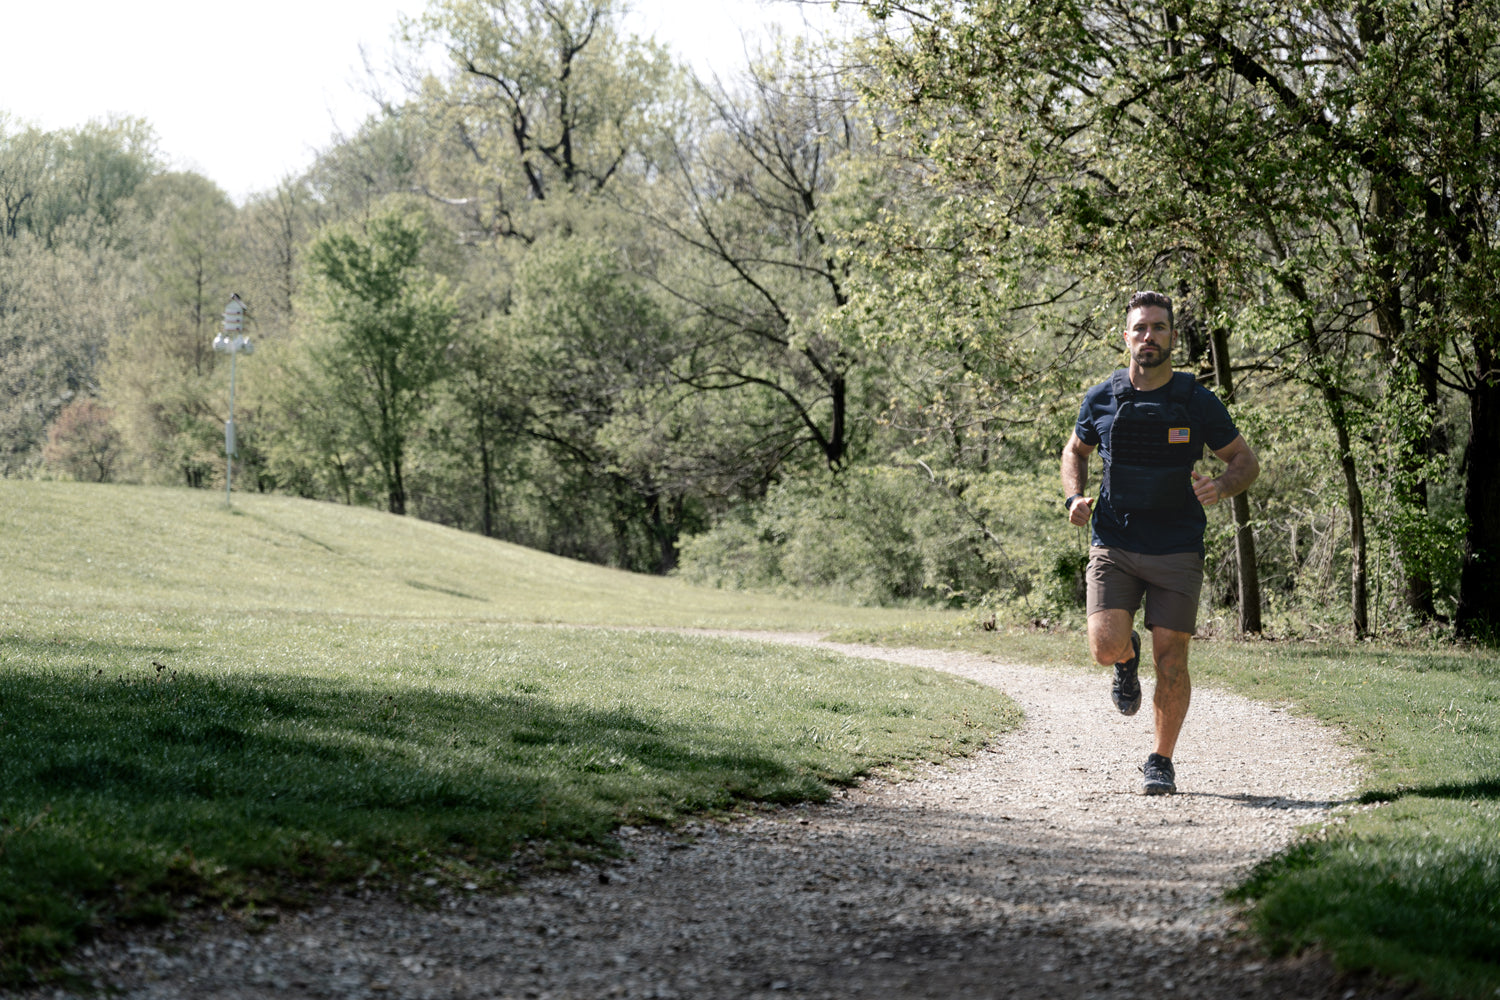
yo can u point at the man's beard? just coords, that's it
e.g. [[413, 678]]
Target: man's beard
[[1145, 359]]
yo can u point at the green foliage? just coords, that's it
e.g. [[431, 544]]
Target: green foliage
[[547, 106], [83, 444], [588, 350], [1236, 156], [57, 307], [883, 536], [162, 376], [384, 319], [751, 216], [74, 186], [70, 232], [1421, 509], [663, 298]]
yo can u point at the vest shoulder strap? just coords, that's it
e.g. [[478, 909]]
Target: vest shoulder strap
[[1183, 384], [1180, 389]]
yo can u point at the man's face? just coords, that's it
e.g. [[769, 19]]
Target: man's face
[[1149, 336]]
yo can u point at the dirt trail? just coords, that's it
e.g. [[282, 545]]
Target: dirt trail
[[1034, 869]]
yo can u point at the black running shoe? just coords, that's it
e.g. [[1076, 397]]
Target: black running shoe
[[1161, 777], [1127, 688]]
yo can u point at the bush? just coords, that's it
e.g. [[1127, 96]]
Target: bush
[[887, 535], [83, 443]]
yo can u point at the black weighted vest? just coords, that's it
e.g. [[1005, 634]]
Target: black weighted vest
[[1152, 447]]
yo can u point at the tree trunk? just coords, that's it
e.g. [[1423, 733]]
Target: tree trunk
[[666, 526], [838, 447], [1359, 580], [1411, 440], [486, 480], [1359, 587], [1247, 570], [1412, 493], [396, 489], [1478, 594]]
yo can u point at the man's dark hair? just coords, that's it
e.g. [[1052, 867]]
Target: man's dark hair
[[1149, 298]]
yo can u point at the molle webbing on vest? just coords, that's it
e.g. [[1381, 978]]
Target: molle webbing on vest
[[1152, 447]]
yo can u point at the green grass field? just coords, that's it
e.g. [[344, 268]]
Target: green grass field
[[237, 708], [1408, 882], [241, 707]]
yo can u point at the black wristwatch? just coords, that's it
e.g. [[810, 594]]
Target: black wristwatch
[[1068, 503]]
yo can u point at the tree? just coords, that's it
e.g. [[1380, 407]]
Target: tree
[[1261, 147], [1247, 571], [70, 232], [384, 320], [352, 179], [273, 230], [753, 201], [547, 105], [97, 169], [59, 308], [546, 108], [27, 157], [160, 374], [590, 351], [1055, 204], [83, 442]]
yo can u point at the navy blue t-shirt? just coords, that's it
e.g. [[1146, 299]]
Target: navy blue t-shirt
[[1151, 533]]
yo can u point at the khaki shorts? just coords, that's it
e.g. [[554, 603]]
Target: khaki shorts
[[1117, 580]]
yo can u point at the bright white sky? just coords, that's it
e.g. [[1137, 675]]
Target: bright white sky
[[246, 93]]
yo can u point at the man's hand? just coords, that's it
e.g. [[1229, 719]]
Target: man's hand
[[1081, 510], [1206, 489]]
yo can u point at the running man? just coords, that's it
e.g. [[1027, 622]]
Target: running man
[[1150, 425]]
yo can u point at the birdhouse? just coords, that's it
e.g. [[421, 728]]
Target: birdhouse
[[234, 315]]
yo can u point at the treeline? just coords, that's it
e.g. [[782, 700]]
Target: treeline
[[825, 323]]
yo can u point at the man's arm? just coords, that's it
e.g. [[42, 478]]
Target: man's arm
[[1241, 468], [1075, 478]]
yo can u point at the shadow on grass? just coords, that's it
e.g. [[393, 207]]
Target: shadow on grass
[[1487, 788], [75, 652], [1413, 908], [126, 796], [341, 748], [418, 585]]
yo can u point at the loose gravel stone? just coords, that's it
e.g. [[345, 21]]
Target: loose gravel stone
[[1034, 869]]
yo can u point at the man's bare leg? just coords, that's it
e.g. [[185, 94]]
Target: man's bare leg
[[1109, 636], [1174, 688]]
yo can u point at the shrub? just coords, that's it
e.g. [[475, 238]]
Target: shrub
[[886, 535], [83, 443]]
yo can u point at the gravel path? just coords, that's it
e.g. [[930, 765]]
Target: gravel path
[[1034, 869]]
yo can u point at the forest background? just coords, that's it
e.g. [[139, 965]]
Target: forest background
[[824, 325]]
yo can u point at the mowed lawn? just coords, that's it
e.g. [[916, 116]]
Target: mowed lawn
[[241, 707]]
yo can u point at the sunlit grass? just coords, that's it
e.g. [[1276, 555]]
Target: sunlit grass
[[83, 545], [238, 708]]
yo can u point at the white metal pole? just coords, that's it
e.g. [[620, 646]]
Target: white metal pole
[[229, 437], [232, 340]]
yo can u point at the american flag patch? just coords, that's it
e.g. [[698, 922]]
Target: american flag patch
[[1179, 435]]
